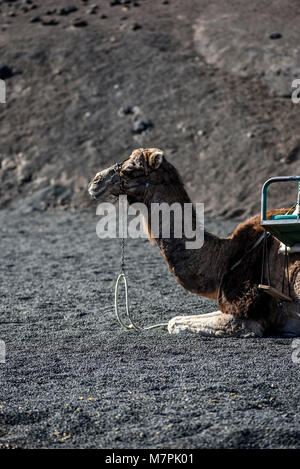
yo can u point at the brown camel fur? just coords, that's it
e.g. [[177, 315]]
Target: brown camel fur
[[146, 176]]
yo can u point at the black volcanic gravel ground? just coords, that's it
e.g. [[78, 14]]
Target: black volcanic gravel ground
[[73, 378]]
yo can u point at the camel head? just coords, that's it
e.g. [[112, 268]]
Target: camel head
[[130, 177]]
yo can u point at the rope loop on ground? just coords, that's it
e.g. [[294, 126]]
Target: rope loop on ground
[[131, 325]]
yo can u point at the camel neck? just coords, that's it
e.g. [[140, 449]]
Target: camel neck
[[197, 270]]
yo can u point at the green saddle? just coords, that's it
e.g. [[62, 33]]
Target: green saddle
[[286, 228], [284, 217]]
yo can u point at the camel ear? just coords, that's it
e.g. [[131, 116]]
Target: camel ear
[[156, 159]]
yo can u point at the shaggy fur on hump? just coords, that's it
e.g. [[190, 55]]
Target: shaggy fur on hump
[[239, 294]]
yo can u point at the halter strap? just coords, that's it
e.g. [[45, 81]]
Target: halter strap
[[117, 168]]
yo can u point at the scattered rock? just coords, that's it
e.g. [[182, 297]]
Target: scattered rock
[[8, 164], [275, 36], [24, 172], [5, 72], [136, 26], [114, 3], [58, 71], [93, 9], [35, 19], [67, 10], [141, 125], [79, 23], [292, 155], [127, 110], [52, 22], [51, 12], [137, 111], [103, 16]]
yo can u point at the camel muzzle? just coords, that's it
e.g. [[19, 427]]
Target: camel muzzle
[[104, 183]]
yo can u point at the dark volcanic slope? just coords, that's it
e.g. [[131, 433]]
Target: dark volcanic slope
[[73, 378], [214, 78]]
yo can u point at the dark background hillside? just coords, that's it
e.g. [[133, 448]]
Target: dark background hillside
[[207, 81]]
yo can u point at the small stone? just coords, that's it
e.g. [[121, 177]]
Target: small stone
[[103, 16], [250, 134], [5, 72], [51, 12], [114, 3], [52, 22], [127, 110], [292, 155], [11, 14], [35, 19], [93, 9], [8, 164], [136, 26], [79, 23], [141, 125], [275, 36], [67, 10]]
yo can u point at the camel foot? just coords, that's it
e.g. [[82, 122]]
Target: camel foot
[[216, 324]]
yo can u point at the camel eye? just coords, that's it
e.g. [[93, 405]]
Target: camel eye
[[131, 167]]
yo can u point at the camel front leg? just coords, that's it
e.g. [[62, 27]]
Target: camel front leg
[[216, 324]]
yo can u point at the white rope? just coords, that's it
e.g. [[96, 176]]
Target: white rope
[[131, 326]]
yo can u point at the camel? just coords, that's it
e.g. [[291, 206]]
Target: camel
[[212, 271]]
